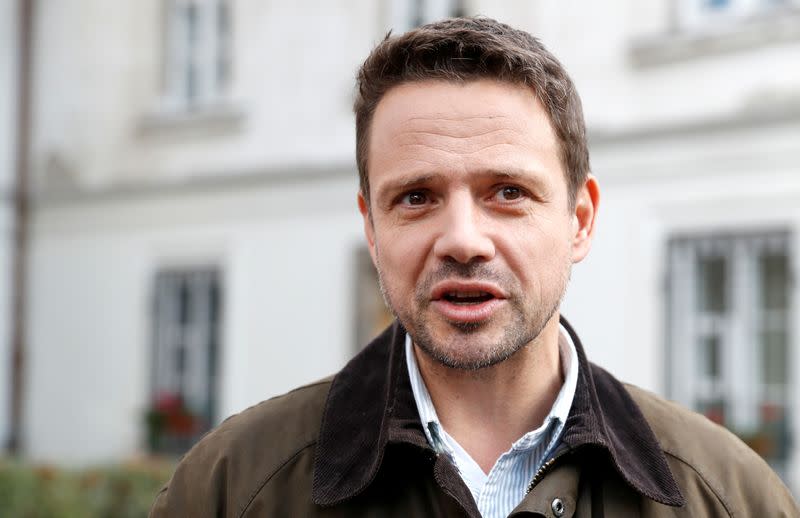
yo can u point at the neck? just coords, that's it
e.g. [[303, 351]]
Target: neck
[[487, 410]]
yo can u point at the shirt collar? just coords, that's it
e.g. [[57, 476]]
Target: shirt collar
[[558, 413], [427, 412], [370, 407]]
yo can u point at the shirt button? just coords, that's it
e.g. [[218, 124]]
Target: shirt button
[[557, 506]]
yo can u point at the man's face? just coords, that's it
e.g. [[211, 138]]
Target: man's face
[[470, 227]]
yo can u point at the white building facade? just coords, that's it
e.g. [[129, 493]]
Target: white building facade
[[195, 232]]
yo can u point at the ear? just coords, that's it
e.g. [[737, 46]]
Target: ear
[[587, 200], [369, 231]]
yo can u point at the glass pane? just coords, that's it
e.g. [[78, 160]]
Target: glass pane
[[418, 12], [192, 38], [773, 357], [223, 43], [184, 303], [191, 24], [711, 284], [458, 9], [717, 4], [180, 363], [774, 271], [709, 357]]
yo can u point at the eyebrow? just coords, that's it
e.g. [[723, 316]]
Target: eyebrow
[[402, 184], [512, 173]]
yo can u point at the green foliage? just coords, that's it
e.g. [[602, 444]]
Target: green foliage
[[113, 492]]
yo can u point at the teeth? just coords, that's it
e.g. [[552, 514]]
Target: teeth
[[466, 294]]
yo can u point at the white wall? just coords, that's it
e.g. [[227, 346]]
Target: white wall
[[286, 252]]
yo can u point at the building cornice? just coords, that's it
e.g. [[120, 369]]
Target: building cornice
[[777, 26], [209, 181], [776, 114]]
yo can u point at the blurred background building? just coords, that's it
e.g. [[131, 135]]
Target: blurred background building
[[193, 244]]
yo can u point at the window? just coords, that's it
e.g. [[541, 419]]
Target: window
[[705, 13], [198, 53], [407, 14], [730, 335], [186, 327]]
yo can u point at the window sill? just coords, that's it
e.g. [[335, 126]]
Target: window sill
[[212, 119], [778, 26]]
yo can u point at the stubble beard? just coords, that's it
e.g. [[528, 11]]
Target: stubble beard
[[462, 349]]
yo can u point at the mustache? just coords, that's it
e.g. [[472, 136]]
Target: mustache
[[450, 270]]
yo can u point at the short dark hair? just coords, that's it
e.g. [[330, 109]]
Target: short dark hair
[[466, 49]]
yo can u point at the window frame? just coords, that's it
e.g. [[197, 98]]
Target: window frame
[[209, 59], [741, 388], [198, 334]]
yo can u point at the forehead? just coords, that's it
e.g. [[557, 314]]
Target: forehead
[[480, 102], [439, 126]]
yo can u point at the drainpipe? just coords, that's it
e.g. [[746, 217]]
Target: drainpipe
[[21, 209]]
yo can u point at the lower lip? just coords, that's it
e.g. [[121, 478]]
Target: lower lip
[[467, 313]]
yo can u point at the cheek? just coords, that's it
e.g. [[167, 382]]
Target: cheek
[[402, 256], [536, 254]]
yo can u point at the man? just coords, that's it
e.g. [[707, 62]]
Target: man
[[479, 401]]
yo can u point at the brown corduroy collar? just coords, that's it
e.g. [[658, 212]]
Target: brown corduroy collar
[[370, 405]]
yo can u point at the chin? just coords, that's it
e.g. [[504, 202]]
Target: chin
[[467, 348]]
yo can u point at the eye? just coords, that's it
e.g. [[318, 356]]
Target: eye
[[414, 198], [509, 193]]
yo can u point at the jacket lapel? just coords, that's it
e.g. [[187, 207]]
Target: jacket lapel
[[370, 405], [604, 416]]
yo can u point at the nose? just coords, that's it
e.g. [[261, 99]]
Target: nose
[[463, 236]]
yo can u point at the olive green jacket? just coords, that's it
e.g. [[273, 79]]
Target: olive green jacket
[[353, 446]]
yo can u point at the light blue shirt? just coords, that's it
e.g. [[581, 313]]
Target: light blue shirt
[[503, 488]]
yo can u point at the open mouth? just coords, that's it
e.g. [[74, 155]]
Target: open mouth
[[467, 302], [465, 298]]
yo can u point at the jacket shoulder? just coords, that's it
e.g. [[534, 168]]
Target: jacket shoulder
[[223, 472], [707, 460]]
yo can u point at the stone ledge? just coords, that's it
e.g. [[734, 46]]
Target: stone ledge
[[221, 118], [778, 26]]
